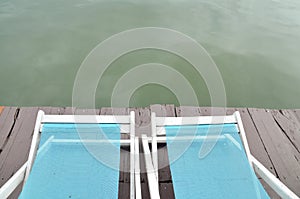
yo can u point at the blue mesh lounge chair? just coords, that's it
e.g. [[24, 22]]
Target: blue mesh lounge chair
[[209, 158], [76, 156]]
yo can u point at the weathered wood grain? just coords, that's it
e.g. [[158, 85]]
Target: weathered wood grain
[[187, 111], [297, 113], [69, 111], [124, 190], [273, 136], [166, 190], [52, 110], [284, 156], [289, 125], [7, 122], [142, 121], [124, 173], [215, 111], [256, 145], [87, 111], [15, 152], [164, 173], [257, 148], [114, 111], [167, 110]]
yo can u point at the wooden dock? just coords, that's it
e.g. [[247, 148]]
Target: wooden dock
[[273, 136]]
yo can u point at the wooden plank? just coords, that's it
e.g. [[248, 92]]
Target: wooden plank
[[125, 165], [283, 155], [142, 121], [57, 111], [7, 122], [124, 173], [123, 153], [167, 110], [213, 111], [124, 188], [297, 113], [289, 124], [114, 111], [273, 138], [290, 114], [164, 173], [166, 190], [80, 111], [15, 152], [256, 145], [46, 109], [52, 110], [188, 111], [69, 111], [87, 111], [282, 190]]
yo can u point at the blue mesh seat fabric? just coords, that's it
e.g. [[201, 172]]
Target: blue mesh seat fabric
[[67, 168], [223, 173]]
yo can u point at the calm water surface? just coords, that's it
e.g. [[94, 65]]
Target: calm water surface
[[255, 44]]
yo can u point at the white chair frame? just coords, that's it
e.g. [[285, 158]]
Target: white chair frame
[[159, 135], [127, 124]]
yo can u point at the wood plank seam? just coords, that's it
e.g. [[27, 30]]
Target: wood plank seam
[[279, 121], [164, 173], [255, 143], [16, 151], [124, 177], [283, 154], [287, 127], [11, 129], [285, 133], [277, 176]]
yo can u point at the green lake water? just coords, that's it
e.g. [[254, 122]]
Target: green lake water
[[255, 44]]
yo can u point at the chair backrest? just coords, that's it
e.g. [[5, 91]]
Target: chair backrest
[[159, 135], [125, 122]]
